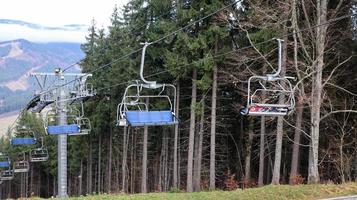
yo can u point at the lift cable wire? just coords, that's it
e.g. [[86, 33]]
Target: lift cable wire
[[134, 31], [154, 42], [236, 50], [129, 54]]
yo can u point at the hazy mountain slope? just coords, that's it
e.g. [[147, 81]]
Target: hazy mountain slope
[[19, 58]]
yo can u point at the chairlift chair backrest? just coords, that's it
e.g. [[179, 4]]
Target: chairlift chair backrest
[[7, 175], [21, 165], [52, 128], [270, 105], [133, 110], [76, 123], [5, 162], [23, 136], [265, 93], [39, 154], [85, 126]]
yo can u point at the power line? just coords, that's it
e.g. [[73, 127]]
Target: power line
[[136, 51], [72, 65], [156, 41], [238, 50], [135, 31]]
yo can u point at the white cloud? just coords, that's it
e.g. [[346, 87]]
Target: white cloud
[[54, 13], [13, 32]]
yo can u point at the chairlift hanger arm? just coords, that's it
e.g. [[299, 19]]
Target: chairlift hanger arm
[[150, 83], [277, 73]]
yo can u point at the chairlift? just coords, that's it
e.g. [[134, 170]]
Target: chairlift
[[52, 128], [6, 173], [82, 90], [264, 93], [83, 122], [133, 110], [39, 154], [4, 161], [22, 165], [76, 123], [24, 136]]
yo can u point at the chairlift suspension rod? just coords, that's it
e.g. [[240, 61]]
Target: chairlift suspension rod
[[146, 44], [277, 73]]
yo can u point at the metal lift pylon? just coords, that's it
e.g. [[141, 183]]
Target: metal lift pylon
[[59, 94]]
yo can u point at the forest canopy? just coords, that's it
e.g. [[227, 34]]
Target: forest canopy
[[209, 49]]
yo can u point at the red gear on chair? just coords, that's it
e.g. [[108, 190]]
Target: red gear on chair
[[255, 108]]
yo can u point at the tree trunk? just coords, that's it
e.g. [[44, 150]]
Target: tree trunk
[[279, 128], [99, 163], [249, 150], [294, 171], [261, 152], [212, 165], [270, 160], [192, 132], [133, 160], [54, 187], [342, 164], [144, 162], [278, 149], [89, 168], [198, 158], [124, 160], [176, 139], [165, 161], [316, 99], [31, 179], [80, 179], [110, 156], [262, 141]]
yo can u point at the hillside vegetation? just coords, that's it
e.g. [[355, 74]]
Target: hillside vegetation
[[270, 192]]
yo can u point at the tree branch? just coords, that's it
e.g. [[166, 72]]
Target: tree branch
[[337, 111], [333, 71]]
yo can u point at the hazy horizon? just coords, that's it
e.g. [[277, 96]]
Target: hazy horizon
[[53, 21]]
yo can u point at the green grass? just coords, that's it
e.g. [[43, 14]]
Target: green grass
[[263, 193]]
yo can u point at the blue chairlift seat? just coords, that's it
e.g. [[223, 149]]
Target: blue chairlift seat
[[23, 141], [4, 164], [150, 118], [63, 129]]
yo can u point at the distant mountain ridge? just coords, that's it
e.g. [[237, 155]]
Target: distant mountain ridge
[[68, 27], [19, 58]]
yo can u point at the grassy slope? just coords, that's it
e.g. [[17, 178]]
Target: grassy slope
[[264, 193]]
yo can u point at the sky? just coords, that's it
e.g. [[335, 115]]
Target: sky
[[48, 14]]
